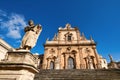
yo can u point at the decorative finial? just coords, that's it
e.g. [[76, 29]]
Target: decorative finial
[[83, 36], [55, 37], [68, 26], [91, 38], [47, 39]]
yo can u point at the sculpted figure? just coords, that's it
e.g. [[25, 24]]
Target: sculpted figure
[[32, 33], [90, 64], [111, 59]]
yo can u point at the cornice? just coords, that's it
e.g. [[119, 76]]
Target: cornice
[[90, 44]]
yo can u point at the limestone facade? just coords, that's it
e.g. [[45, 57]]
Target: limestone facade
[[70, 49], [4, 47]]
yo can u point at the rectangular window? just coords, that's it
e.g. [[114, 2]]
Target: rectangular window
[[69, 38]]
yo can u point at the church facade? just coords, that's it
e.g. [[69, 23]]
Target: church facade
[[70, 49]]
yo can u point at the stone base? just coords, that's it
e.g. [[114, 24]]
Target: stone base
[[18, 65], [112, 65]]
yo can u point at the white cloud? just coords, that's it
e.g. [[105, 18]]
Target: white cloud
[[14, 34], [13, 23], [36, 53]]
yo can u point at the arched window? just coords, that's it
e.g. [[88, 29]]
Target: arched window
[[71, 63], [51, 65]]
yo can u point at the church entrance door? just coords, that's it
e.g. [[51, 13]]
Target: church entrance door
[[70, 63], [51, 65]]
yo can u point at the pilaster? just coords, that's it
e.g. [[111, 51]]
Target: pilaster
[[81, 58], [97, 66], [44, 66]]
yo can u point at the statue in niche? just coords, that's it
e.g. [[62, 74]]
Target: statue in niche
[[90, 63], [32, 33]]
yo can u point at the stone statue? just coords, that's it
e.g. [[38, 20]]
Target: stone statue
[[111, 59], [112, 63], [90, 64], [32, 33], [68, 26]]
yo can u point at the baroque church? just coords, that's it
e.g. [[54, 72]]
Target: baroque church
[[68, 53], [70, 49]]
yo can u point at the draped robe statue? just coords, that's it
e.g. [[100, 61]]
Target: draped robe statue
[[90, 63], [32, 33]]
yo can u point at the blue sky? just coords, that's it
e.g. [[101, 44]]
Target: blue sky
[[99, 18]]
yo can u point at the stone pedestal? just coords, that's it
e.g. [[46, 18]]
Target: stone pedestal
[[112, 65], [18, 65]]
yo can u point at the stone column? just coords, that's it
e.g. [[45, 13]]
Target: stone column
[[81, 58], [65, 61], [97, 58], [86, 64], [58, 60], [48, 64], [44, 66], [57, 64], [75, 65], [93, 62]]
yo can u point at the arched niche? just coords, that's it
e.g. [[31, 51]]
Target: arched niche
[[52, 65], [71, 64]]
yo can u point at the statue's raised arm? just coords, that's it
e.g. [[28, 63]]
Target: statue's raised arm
[[32, 33]]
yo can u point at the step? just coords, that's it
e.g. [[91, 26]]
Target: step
[[74, 74]]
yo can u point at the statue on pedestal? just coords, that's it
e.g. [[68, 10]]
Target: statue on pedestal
[[32, 33], [112, 63]]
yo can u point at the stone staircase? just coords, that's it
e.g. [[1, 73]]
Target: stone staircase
[[75, 74]]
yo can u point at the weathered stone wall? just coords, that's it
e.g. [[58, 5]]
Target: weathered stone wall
[[18, 65]]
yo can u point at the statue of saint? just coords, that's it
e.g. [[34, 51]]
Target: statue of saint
[[90, 63], [111, 58], [32, 33]]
